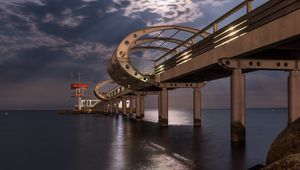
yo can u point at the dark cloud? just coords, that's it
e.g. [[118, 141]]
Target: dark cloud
[[75, 19]]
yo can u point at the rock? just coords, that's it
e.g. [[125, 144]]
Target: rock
[[289, 162], [286, 143]]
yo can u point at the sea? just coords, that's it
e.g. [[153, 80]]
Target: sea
[[45, 140]]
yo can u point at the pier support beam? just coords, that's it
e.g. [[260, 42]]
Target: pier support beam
[[107, 107], [116, 106], [124, 111], [131, 105], [197, 107], [164, 106], [293, 96], [142, 106], [111, 107], [238, 130], [159, 108], [104, 107], [138, 107]]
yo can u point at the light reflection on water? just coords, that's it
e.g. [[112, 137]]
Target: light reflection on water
[[176, 117], [117, 146], [35, 140]]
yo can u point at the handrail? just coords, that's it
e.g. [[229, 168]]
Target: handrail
[[213, 25], [263, 14]]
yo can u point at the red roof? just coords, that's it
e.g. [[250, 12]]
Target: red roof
[[79, 86]]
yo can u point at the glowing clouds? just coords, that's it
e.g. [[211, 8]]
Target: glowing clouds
[[158, 12]]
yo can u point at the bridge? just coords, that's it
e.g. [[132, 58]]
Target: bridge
[[243, 40]]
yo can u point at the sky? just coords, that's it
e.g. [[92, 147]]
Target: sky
[[45, 43]]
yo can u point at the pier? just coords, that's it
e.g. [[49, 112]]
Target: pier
[[263, 38]]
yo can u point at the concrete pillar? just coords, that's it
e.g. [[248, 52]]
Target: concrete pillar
[[238, 130], [131, 105], [159, 108], [104, 107], [116, 106], [164, 107], [293, 96], [197, 107], [138, 107], [111, 107], [142, 106], [124, 111]]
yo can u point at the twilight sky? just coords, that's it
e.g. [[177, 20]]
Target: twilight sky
[[43, 42]]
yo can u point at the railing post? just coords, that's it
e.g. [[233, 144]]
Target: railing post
[[193, 41], [215, 27], [249, 5]]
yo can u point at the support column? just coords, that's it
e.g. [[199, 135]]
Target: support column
[[124, 111], [159, 108], [117, 106], [107, 107], [164, 107], [197, 107], [111, 107], [138, 107], [104, 107], [142, 106], [293, 96], [238, 130], [131, 105]]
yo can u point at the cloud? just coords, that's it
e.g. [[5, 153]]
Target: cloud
[[159, 12], [214, 2], [83, 49], [11, 8], [89, 0], [21, 40], [68, 19], [20, 32]]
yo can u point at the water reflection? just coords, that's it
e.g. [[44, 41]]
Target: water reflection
[[89, 142], [117, 145], [162, 159], [176, 117], [238, 156]]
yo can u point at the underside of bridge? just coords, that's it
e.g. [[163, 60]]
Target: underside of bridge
[[288, 49]]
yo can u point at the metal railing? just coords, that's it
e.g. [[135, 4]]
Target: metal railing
[[220, 36]]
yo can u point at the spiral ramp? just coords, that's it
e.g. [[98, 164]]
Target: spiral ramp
[[121, 68]]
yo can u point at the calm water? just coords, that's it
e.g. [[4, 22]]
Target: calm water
[[44, 140]]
